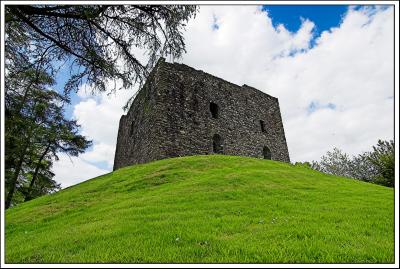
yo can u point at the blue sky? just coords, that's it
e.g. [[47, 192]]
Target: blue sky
[[324, 16], [62, 77]]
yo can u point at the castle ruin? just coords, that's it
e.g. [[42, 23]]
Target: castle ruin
[[181, 111]]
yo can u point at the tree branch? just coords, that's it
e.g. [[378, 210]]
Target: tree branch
[[59, 44]]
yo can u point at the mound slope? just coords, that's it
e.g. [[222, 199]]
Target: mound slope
[[206, 209]]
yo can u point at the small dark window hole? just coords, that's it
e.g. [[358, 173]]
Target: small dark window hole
[[262, 124], [131, 129], [218, 144], [214, 110], [267, 153]]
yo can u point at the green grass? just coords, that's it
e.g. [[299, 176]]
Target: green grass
[[207, 209]]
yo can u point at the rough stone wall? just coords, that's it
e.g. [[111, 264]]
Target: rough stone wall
[[171, 117]]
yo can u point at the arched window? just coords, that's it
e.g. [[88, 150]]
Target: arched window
[[218, 144], [266, 153], [214, 110]]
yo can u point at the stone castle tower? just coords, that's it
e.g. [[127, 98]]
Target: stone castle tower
[[182, 111]]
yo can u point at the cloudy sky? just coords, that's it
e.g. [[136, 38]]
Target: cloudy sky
[[331, 68]]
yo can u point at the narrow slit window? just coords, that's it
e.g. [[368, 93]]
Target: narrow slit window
[[262, 125], [214, 110], [131, 129]]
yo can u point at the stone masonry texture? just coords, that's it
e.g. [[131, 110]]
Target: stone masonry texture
[[181, 111]]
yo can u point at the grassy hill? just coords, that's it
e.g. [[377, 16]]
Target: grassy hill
[[207, 209]]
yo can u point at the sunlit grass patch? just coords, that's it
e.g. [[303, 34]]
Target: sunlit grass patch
[[207, 209]]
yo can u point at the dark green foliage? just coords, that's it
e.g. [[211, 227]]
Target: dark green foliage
[[206, 209], [35, 132], [375, 167], [98, 39], [363, 169], [383, 160]]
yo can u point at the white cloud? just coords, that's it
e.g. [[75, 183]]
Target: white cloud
[[70, 171], [99, 118], [101, 152], [349, 73]]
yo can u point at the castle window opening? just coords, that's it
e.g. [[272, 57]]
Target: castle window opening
[[262, 125], [214, 110], [131, 129], [266, 153], [218, 144]]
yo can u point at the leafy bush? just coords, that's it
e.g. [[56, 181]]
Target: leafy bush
[[376, 166]]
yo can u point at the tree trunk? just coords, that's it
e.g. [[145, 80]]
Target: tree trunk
[[28, 195], [14, 179]]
